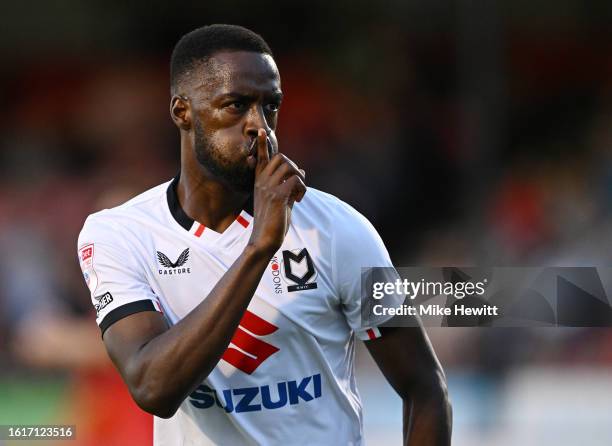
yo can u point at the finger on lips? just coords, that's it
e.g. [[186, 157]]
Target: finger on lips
[[263, 157]]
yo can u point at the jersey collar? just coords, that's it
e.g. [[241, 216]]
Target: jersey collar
[[175, 207], [243, 221]]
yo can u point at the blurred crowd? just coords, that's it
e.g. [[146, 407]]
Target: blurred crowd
[[467, 137]]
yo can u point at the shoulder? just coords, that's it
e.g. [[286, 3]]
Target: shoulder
[[353, 241], [344, 222], [109, 224], [327, 208]]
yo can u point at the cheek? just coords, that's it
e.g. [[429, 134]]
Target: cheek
[[221, 118], [228, 142], [223, 131]]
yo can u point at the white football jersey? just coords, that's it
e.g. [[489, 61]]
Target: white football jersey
[[287, 375]]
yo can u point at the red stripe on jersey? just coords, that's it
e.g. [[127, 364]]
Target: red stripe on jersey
[[371, 333], [257, 325], [253, 346], [258, 350], [158, 307], [243, 221], [199, 230]]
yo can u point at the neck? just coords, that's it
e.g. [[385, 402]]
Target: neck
[[207, 200]]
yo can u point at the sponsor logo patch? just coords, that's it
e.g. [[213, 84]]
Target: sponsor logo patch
[[253, 351], [172, 268], [254, 399], [102, 301], [277, 283]]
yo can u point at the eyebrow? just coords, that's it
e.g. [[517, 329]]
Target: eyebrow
[[278, 95]]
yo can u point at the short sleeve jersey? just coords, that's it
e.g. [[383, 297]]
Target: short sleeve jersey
[[287, 376]]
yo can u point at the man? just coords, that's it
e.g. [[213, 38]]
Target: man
[[228, 298]]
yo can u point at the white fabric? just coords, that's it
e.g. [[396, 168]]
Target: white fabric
[[302, 393]]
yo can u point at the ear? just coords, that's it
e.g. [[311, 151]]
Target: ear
[[180, 112]]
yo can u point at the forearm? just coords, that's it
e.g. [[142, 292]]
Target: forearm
[[171, 365], [428, 414], [162, 365]]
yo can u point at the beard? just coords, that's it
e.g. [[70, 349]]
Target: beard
[[239, 176]]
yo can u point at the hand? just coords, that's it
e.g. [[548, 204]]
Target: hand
[[278, 184]]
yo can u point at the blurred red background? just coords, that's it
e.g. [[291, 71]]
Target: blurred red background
[[469, 133]]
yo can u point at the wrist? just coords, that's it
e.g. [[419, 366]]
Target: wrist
[[257, 252]]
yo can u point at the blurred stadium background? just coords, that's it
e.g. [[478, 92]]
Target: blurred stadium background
[[468, 132]]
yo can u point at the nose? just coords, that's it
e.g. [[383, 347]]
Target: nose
[[255, 120]]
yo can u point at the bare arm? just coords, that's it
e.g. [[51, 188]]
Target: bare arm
[[407, 360], [162, 365]]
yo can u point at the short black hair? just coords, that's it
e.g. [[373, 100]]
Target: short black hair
[[200, 44]]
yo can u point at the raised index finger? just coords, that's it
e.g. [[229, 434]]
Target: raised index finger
[[263, 157]]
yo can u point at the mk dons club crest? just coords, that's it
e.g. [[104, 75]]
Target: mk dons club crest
[[298, 270]]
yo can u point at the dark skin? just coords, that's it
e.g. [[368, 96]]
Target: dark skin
[[406, 358], [235, 100]]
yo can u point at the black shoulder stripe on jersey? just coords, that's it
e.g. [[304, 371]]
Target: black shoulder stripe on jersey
[[175, 207], [124, 311]]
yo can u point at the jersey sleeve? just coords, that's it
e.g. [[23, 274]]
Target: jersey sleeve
[[357, 245], [115, 280]]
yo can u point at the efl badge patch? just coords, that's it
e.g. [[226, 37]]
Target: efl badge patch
[[86, 257]]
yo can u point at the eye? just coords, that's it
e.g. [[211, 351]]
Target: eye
[[236, 106], [272, 107]]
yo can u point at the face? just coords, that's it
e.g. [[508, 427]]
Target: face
[[232, 96]]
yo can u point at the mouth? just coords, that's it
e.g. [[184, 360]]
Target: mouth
[[253, 148]]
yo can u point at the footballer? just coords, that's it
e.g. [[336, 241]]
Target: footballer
[[229, 297]]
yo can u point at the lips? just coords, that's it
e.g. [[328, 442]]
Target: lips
[[253, 147]]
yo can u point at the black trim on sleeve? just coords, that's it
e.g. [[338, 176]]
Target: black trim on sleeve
[[175, 207], [124, 311]]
